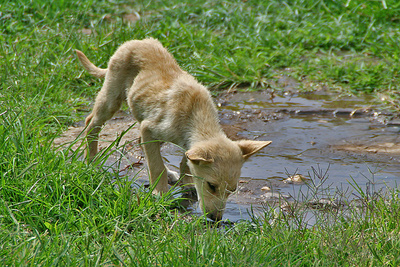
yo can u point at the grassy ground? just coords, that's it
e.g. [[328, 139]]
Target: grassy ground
[[56, 210]]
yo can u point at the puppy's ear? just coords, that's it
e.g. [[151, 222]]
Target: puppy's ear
[[198, 156], [250, 147]]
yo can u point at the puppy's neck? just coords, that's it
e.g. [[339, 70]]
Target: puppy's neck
[[206, 127], [201, 115], [203, 135]]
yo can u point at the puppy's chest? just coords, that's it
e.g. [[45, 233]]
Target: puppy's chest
[[163, 122], [166, 129], [147, 105]]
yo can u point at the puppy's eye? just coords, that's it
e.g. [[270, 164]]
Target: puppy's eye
[[212, 187]]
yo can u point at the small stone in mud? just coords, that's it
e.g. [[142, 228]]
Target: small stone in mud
[[326, 204], [296, 179], [244, 190], [266, 188], [243, 182], [289, 208], [274, 196]]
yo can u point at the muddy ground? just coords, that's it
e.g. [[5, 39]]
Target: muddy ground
[[323, 137]]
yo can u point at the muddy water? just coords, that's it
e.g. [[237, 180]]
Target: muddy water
[[339, 140]]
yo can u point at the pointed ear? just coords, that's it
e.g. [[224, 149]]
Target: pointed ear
[[198, 156], [250, 147]]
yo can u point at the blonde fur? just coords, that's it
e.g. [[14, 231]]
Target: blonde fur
[[171, 106]]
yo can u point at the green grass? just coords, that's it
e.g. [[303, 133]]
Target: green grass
[[56, 210]]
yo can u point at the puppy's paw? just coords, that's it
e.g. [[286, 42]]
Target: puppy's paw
[[173, 177]]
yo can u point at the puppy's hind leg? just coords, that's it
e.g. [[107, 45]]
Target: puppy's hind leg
[[108, 101]]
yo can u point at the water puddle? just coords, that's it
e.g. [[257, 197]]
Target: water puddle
[[340, 140], [322, 137]]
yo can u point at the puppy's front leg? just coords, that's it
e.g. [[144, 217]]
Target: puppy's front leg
[[154, 159], [184, 170], [187, 180]]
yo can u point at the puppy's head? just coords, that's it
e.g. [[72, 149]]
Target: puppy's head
[[215, 166]]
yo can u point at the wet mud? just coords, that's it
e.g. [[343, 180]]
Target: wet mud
[[331, 141]]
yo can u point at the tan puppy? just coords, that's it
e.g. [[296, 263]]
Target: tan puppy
[[171, 106]]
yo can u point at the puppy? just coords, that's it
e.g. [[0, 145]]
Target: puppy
[[171, 106]]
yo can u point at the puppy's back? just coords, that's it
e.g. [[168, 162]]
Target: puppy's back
[[148, 54]]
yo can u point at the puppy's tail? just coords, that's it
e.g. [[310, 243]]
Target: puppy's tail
[[89, 66]]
